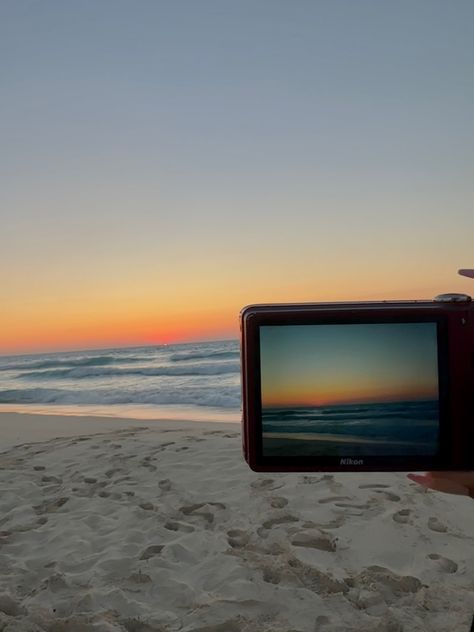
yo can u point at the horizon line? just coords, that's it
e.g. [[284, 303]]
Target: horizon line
[[139, 346], [421, 398]]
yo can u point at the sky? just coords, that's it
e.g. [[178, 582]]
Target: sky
[[164, 164], [346, 364]]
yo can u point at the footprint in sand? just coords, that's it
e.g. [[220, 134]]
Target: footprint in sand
[[10, 607], [139, 578], [151, 551], [113, 471], [314, 539], [176, 525], [149, 466], [435, 525], [444, 564], [49, 506], [376, 577], [237, 538], [265, 484], [56, 582], [388, 495], [202, 510], [271, 576], [373, 486], [285, 519], [162, 446], [334, 485], [331, 499], [51, 479], [353, 505], [310, 480], [278, 502], [165, 485], [147, 506], [315, 580], [402, 516], [274, 548], [380, 488], [122, 479]]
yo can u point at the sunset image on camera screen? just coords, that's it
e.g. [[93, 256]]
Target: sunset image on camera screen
[[352, 389]]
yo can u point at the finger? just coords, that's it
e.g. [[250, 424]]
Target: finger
[[467, 273], [456, 475], [422, 479], [439, 484]]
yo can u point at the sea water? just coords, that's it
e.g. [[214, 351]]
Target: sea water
[[402, 427], [198, 381]]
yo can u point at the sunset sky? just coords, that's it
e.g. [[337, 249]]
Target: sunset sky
[[344, 364], [165, 163]]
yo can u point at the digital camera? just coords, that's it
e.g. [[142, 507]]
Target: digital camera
[[370, 386]]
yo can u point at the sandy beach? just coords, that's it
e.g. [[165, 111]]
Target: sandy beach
[[122, 525]]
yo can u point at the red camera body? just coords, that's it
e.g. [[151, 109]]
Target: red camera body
[[370, 386]]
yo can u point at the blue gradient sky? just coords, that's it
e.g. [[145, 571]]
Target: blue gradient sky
[[165, 163]]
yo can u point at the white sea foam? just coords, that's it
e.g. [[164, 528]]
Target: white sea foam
[[93, 371], [197, 375]]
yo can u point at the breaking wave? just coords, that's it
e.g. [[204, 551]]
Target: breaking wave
[[228, 397], [70, 362], [82, 373], [212, 355], [197, 374]]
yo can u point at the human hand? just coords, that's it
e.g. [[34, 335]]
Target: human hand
[[460, 483]]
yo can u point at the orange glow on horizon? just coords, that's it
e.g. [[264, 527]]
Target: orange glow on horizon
[[346, 395], [51, 337], [139, 311]]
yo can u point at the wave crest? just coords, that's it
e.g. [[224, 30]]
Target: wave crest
[[228, 397], [201, 355], [70, 362], [86, 372]]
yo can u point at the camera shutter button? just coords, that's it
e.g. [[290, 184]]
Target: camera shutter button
[[452, 298]]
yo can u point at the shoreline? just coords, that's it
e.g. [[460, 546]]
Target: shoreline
[[20, 428], [127, 411]]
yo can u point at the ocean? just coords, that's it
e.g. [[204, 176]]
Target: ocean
[[198, 381], [402, 427]]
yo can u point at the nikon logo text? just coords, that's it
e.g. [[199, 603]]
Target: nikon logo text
[[351, 462]]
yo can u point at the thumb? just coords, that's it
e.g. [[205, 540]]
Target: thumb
[[439, 484]]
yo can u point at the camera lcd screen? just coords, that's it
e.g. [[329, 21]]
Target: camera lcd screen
[[355, 390]]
